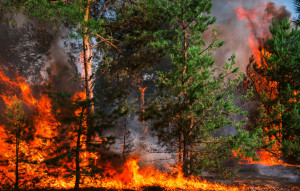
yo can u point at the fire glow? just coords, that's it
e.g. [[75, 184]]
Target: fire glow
[[130, 176]]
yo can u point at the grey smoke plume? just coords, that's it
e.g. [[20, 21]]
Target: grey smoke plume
[[36, 52], [61, 67]]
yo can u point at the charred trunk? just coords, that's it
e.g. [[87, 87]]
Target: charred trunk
[[185, 160], [77, 161], [179, 148], [124, 138], [77, 151], [17, 166]]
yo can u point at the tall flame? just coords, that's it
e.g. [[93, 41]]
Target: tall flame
[[258, 23]]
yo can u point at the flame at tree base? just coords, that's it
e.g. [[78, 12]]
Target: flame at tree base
[[37, 175], [130, 176]]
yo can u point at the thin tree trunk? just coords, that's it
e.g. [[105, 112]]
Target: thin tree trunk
[[145, 128], [124, 138], [185, 153], [185, 134], [179, 148], [17, 165], [184, 63], [77, 151], [77, 161]]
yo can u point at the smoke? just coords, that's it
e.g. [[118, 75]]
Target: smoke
[[37, 52], [278, 13], [235, 32], [284, 172], [60, 68], [21, 49]]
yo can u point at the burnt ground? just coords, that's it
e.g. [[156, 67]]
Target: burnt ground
[[255, 177], [265, 178]]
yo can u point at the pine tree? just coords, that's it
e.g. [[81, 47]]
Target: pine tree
[[279, 95], [194, 101], [71, 112], [122, 83], [19, 130]]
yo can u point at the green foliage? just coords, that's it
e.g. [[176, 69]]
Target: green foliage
[[279, 112], [195, 101], [18, 125], [19, 130]]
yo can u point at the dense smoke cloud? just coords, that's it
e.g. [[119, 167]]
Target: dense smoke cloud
[[277, 12]]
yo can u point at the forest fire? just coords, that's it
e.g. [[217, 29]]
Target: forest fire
[[92, 124], [258, 22], [36, 173]]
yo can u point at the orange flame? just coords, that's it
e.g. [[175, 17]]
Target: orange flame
[[258, 22], [130, 176]]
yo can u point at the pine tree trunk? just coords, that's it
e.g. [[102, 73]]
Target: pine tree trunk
[[77, 152], [185, 140], [17, 166], [124, 138], [77, 161], [185, 153], [184, 150], [179, 148], [88, 62]]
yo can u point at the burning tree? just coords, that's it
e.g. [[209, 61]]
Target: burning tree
[[72, 151], [87, 20], [275, 79], [194, 99], [19, 130]]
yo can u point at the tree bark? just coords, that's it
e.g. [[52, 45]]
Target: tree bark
[[17, 165], [179, 148], [124, 138], [185, 131], [77, 161], [88, 63], [77, 152]]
